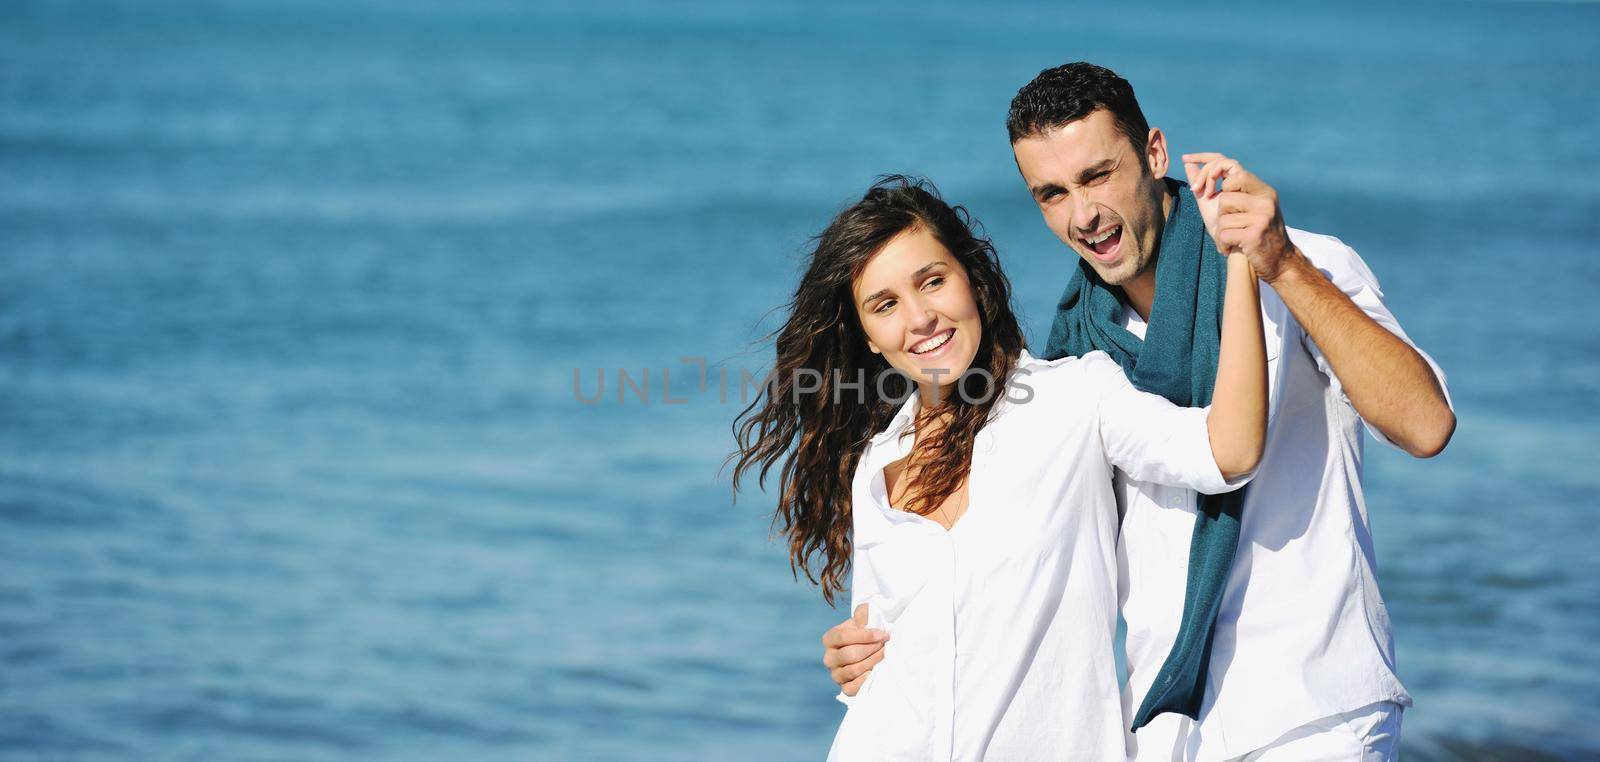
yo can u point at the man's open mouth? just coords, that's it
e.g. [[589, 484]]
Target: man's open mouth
[[1105, 244], [933, 343]]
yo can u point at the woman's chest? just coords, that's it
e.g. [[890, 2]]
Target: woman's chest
[[1028, 512]]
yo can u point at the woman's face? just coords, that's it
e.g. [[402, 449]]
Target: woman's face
[[916, 306]]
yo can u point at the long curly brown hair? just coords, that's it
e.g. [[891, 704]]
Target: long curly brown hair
[[820, 432]]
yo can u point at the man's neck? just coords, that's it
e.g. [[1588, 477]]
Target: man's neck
[[1140, 293]]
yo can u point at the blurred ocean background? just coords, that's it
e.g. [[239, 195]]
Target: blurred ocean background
[[292, 295]]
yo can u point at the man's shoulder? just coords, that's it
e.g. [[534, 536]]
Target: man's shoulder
[[1332, 256]]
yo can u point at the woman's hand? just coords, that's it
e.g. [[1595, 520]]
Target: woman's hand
[[850, 650], [1244, 220], [1242, 214]]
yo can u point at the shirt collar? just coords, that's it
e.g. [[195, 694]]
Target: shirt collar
[[900, 424], [902, 419]]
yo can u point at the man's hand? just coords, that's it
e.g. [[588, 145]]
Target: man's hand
[[1387, 381], [850, 651], [1243, 216]]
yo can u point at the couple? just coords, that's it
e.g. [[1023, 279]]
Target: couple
[[990, 515]]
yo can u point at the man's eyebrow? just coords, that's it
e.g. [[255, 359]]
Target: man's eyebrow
[[1100, 167], [1040, 190], [1089, 173], [921, 271]]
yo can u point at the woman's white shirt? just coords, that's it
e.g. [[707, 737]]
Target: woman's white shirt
[[1003, 626]]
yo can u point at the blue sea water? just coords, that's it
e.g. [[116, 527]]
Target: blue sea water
[[293, 464]]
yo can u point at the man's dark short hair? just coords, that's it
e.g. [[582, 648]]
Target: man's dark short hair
[[1071, 92]]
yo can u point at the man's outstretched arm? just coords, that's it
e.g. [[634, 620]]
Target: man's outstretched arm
[[1387, 381]]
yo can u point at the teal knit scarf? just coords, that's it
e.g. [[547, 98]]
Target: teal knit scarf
[[1177, 360]]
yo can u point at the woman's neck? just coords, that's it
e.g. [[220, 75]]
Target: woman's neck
[[934, 397]]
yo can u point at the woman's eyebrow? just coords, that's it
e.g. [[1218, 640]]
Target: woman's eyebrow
[[921, 271], [914, 276], [875, 296]]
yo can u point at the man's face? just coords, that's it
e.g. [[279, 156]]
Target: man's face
[[1098, 195]]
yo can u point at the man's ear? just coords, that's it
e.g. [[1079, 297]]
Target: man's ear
[[1155, 153]]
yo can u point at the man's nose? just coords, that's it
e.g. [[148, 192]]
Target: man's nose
[[1085, 214]]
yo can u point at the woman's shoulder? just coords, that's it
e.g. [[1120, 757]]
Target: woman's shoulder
[[1066, 382], [1089, 359], [1066, 370]]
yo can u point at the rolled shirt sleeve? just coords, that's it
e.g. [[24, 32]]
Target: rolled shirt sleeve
[[1153, 440]]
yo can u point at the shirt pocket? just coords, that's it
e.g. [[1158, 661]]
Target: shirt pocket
[[1031, 520]]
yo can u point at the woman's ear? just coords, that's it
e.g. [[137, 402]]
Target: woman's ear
[[873, 347]]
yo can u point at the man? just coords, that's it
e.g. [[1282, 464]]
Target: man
[[1290, 654]]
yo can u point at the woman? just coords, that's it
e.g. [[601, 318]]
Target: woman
[[967, 485]]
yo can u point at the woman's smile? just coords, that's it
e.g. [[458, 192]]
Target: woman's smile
[[933, 346]]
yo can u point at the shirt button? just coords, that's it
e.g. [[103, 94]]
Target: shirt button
[[1175, 501]]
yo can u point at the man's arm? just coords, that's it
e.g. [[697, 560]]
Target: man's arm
[[850, 650], [1387, 381]]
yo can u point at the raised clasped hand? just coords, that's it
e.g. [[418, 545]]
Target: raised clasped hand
[[1240, 211]]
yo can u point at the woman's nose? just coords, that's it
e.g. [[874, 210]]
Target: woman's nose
[[921, 313]]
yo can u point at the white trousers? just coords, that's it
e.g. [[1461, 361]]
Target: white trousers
[[1368, 734]]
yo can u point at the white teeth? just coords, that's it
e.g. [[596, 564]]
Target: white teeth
[[1104, 236], [933, 343]]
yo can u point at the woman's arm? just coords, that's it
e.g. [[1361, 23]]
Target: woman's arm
[[1237, 423]]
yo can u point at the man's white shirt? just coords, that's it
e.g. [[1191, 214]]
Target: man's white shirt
[[1302, 633]]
